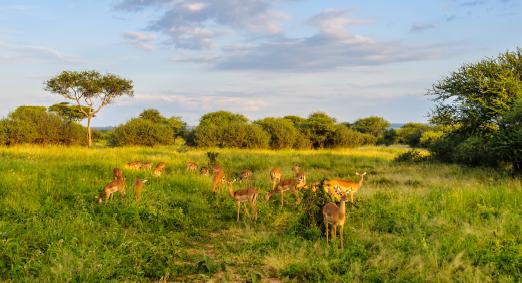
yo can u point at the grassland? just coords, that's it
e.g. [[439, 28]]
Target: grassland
[[414, 222]]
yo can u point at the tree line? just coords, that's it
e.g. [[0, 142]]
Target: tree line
[[477, 119], [59, 124]]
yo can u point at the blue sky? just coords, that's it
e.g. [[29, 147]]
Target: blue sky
[[261, 58]]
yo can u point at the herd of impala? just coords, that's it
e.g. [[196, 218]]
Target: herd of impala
[[333, 214]]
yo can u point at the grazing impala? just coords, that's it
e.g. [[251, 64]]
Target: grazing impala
[[245, 175], [217, 180], [134, 165], [138, 186], [204, 171], [346, 186], [146, 165], [275, 175], [192, 166], [242, 196], [117, 185], [293, 185], [160, 167], [336, 216]]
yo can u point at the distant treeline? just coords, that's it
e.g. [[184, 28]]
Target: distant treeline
[[58, 124]]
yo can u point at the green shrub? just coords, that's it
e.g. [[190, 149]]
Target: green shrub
[[474, 151], [140, 131], [429, 137], [239, 135], [282, 132], [310, 223], [411, 133], [344, 137], [412, 156]]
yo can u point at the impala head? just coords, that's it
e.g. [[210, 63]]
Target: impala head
[[360, 174], [117, 173], [296, 168], [301, 180]]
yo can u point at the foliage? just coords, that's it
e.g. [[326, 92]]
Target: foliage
[[372, 125], [412, 156], [226, 129], [344, 137], [411, 133], [33, 124], [473, 109], [429, 137], [68, 112], [319, 127], [310, 223], [149, 129], [282, 132], [507, 145], [473, 99], [212, 158], [389, 137], [144, 132], [90, 91]]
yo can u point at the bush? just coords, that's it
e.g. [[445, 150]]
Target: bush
[[412, 156], [372, 125], [344, 137], [239, 135], [3, 132], [282, 132], [474, 151], [140, 131], [310, 223], [389, 137], [429, 137], [410, 133]]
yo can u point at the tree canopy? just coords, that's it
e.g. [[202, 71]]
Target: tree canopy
[[90, 91]]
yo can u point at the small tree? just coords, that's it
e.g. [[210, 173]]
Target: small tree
[[372, 125], [90, 91]]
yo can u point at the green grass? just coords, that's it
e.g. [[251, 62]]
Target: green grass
[[414, 222]]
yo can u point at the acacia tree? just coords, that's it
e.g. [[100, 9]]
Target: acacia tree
[[90, 91]]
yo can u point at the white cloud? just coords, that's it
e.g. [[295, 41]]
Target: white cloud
[[196, 25], [139, 40]]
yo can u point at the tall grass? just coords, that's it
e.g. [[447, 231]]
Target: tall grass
[[413, 222]]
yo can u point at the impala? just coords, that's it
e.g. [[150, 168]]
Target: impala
[[204, 171], [216, 168], [275, 175], [107, 192], [245, 175], [138, 186], [159, 169], [243, 196], [336, 216], [117, 173], [192, 166], [293, 185], [217, 180], [146, 165], [134, 165], [347, 186]]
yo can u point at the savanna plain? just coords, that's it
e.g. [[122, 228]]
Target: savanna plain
[[411, 222]]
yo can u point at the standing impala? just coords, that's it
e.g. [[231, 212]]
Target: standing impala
[[138, 187], [275, 175], [159, 169], [117, 185], [192, 166], [346, 186], [218, 179], [293, 185], [336, 216], [242, 196]]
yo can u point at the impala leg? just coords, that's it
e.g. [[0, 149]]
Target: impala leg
[[297, 198], [342, 236], [254, 210], [334, 231], [238, 204], [351, 197], [282, 198]]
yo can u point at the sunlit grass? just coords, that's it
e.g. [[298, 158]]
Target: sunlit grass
[[414, 222]]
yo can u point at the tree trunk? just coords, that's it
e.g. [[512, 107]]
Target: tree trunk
[[89, 134]]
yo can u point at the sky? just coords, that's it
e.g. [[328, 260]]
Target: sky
[[349, 58]]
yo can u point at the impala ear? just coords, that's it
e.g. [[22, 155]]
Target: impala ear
[[364, 173], [145, 180]]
